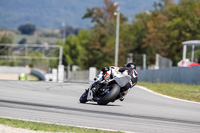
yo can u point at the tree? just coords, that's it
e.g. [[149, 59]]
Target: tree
[[69, 30], [103, 34], [27, 29], [86, 53], [164, 29], [5, 39], [159, 31], [71, 50]]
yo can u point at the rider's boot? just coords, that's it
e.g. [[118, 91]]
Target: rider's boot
[[121, 98]]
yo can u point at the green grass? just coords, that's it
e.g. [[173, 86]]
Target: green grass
[[182, 91], [48, 127]]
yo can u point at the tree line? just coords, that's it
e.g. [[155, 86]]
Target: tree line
[[161, 30]]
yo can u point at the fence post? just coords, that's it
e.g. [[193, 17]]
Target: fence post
[[144, 62], [54, 73], [157, 61], [60, 73], [92, 73], [130, 58]]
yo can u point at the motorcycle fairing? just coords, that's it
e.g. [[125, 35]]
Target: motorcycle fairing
[[122, 80]]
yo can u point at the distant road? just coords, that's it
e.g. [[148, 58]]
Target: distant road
[[141, 111]]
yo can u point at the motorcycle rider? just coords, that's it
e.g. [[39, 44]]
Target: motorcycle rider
[[128, 69]]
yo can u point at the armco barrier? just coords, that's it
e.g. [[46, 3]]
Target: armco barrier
[[79, 76], [186, 75], [38, 73]]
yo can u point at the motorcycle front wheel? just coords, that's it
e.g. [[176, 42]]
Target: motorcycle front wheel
[[83, 98], [110, 95]]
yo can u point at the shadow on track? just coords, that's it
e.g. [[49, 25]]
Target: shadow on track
[[92, 103], [45, 108]]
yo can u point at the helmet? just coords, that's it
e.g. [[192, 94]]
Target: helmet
[[105, 69], [131, 65]]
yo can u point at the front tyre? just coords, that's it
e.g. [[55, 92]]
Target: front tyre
[[110, 96], [83, 98]]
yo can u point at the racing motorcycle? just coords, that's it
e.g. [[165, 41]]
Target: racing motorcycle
[[104, 90]]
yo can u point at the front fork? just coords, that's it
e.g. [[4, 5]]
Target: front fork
[[94, 88], [90, 95], [91, 91]]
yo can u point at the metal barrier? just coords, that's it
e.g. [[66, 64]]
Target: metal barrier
[[83, 75], [79, 76], [38, 73], [186, 75]]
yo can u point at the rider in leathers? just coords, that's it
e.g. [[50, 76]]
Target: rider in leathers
[[128, 69]]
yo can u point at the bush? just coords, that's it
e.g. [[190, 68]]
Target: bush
[[27, 29], [6, 38]]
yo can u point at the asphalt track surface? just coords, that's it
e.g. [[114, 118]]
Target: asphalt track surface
[[141, 111]]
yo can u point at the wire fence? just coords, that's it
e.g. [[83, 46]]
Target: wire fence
[[162, 62], [41, 56]]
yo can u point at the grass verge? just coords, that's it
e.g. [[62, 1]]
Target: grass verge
[[37, 126], [182, 91]]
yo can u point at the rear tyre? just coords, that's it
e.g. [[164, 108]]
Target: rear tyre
[[110, 96], [83, 98]]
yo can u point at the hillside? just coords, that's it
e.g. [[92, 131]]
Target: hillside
[[51, 13]]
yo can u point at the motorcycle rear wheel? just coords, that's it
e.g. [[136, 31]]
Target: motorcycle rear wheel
[[111, 96]]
